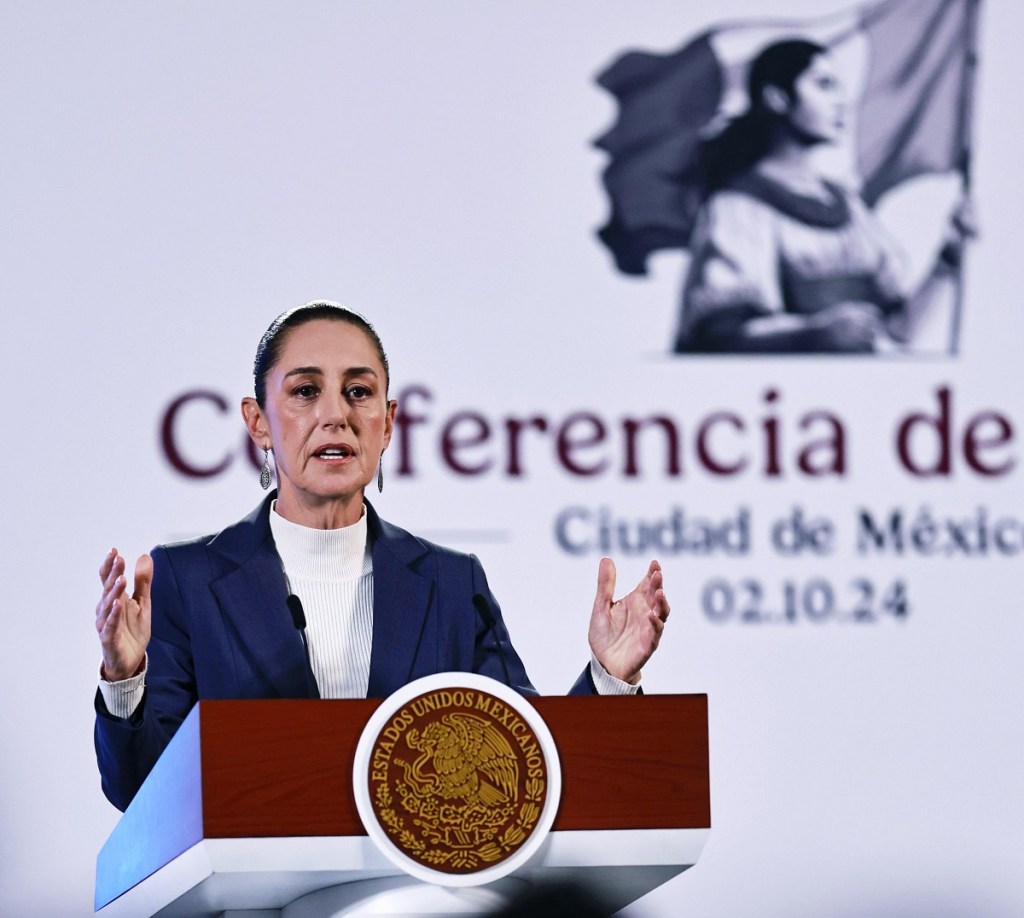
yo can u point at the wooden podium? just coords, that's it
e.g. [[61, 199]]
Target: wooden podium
[[250, 812]]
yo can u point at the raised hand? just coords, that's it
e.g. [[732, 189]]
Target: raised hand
[[847, 327], [963, 226], [124, 622], [625, 632]]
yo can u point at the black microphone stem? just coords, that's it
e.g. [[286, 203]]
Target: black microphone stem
[[483, 608], [299, 620]]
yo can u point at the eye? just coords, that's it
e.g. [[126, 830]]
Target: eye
[[306, 390], [359, 392]]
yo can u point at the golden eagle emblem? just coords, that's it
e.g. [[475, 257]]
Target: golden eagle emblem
[[468, 759], [458, 780]]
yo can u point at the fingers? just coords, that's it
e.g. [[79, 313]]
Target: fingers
[[123, 621], [660, 606], [113, 602], [653, 570], [143, 580], [645, 588], [656, 620], [652, 582], [110, 606], [111, 569], [654, 595], [605, 583], [113, 588], [108, 563]]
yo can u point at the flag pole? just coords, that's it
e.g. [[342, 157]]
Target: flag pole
[[965, 114]]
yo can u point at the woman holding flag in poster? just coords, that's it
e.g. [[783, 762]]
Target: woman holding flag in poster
[[783, 258]]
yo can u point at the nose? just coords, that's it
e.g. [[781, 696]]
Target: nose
[[334, 409]]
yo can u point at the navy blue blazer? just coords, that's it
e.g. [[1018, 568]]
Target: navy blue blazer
[[222, 630]]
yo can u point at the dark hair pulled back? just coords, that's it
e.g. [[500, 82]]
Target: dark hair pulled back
[[272, 343], [745, 141]]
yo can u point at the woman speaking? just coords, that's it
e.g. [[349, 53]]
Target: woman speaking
[[313, 594]]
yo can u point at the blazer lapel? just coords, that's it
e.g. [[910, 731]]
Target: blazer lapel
[[401, 601], [252, 600], [252, 594]]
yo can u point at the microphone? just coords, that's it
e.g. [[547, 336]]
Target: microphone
[[299, 620], [298, 615], [483, 609]]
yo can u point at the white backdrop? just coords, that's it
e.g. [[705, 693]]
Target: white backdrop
[[174, 175]]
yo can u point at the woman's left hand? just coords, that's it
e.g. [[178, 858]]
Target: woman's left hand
[[625, 632], [963, 226], [964, 219]]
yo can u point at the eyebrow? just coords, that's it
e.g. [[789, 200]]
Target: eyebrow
[[316, 371]]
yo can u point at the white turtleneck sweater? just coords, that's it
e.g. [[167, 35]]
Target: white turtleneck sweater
[[331, 571]]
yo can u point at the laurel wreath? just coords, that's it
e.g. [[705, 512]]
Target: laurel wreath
[[490, 851]]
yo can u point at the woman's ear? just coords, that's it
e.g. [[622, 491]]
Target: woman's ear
[[389, 421], [255, 422], [775, 100]]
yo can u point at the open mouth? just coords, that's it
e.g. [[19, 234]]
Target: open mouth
[[334, 452]]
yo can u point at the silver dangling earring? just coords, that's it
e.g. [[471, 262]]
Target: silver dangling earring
[[265, 471], [380, 474]]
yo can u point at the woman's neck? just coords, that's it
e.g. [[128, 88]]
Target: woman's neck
[[792, 169], [335, 513]]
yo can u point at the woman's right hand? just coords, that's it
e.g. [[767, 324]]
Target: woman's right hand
[[124, 622], [851, 328]]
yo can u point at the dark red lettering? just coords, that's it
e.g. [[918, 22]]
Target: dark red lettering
[[939, 425], [771, 439], [451, 443], [568, 444], [514, 426], [975, 443], [169, 434], [404, 420], [709, 462], [833, 446], [632, 427]]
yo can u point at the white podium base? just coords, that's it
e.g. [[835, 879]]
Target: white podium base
[[286, 877], [393, 896]]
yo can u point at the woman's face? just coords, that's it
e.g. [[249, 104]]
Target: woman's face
[[327, 418], [817, 112]]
